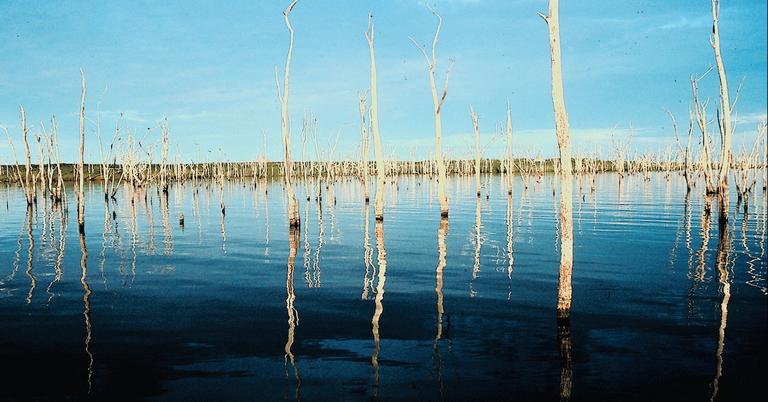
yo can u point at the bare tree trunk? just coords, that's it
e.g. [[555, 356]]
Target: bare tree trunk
[[724, 118], [294, 218], [80, 170], [378, 152], [364, 148], [164, 161], [508, 153], [564, 144], [27, 157], [476, 129], [438, 104]]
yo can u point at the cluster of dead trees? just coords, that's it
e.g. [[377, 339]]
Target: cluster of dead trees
[[143, 161]]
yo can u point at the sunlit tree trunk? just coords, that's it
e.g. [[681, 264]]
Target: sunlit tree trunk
[[378, 152], [508, 152], [364, 148], [80, 170], [724, 118], [294, 218], [564, 145], [438, 102], [476, 129], [27, 158]]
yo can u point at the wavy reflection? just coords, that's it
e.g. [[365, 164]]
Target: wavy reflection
[[86, 308], [478, 243], [134, 238], [166, 220], [294, 237], [442, 232], [566, 369], [60, 255], [380, 282], [367, 255], [307, 247], [315, 277], [510, 240], [223, 230], [722, 259], [30, 255], [701, 256], [756, 278]]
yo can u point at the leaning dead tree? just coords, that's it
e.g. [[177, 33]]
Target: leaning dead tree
[[80, 170], [294, 218], [378, 152], [564, 144], [438, 102]]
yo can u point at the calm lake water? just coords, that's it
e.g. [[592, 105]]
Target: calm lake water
[[665, 303]]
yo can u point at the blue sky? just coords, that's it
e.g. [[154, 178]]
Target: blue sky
[[209, 66]]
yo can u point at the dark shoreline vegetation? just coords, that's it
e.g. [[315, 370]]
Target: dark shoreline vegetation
[[274, 170]]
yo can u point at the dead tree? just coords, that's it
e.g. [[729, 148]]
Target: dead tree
[[476, 129], [80, 170], [685, 152], [724, 115], [294, 218], [564, 145], [438, 102], [378, 152]]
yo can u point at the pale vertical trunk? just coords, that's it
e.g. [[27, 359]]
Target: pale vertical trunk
[[80, 170], [378, 152], [164, 161], [364, 148], [508, 153], [438, 104], [476, 128], [294, 218], [27, 157], [41, 167], [564, 145], [724, 120]]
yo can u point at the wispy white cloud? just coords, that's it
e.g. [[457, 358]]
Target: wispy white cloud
[[685, 23], [751, 118]]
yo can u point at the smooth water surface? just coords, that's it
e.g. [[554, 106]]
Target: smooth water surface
[[665, 302]]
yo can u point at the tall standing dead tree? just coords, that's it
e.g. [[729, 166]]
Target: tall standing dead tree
[[294, 218], [80, 170], [724, 115], [378, 152], [564, 145], [438, 102]]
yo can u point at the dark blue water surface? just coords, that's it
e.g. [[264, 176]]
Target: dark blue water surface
[[665, 302]]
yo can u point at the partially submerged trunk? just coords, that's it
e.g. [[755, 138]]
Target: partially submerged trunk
[[294, 218], [476, 129], [378, 152], [80, 170], [724, 114], [564, 145], [438, 102]]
